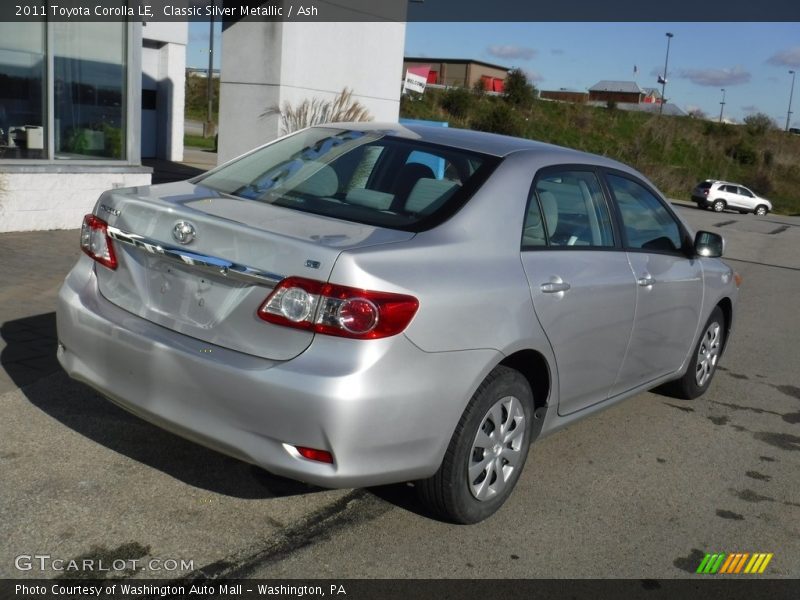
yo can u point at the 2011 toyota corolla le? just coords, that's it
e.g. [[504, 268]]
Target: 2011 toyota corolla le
[[355, 305]]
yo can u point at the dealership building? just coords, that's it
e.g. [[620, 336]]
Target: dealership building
[[82, 103]]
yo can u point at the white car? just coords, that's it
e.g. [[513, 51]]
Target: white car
[[720, 195]]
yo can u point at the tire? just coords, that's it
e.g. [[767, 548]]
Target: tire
[[703, 364], [761, 210], [718, 205], [468, 487]]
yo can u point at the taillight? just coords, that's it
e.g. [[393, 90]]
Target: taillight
[[96, 243], [337, 310]]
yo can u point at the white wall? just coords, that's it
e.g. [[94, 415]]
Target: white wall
[[267, 64], [164, 69], [32, 200]]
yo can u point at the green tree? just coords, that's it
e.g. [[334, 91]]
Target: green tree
[[518, 90]]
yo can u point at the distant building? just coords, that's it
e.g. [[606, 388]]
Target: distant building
[[670, 109], [616, 91], [564, 95], [80, 104], [651, 96], [460, 72], [201, 72]]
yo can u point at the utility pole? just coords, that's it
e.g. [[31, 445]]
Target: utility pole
[[722, 105], [664, 78], [789, 112]]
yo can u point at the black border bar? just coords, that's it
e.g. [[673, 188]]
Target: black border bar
[[402, 10]]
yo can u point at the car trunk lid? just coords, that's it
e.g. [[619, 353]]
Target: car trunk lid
[[208, 278]]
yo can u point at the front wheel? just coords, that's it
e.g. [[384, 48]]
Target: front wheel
[[486, 453], [761, 210], [704, 360]]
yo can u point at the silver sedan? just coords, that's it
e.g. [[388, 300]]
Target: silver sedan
[[362, 304]]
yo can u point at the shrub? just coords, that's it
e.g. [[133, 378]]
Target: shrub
[[317, 111], [759, 124], [743, 153], [760, 183], [457, 102], [498, 118]]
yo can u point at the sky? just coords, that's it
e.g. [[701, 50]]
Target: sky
[[751, 61]]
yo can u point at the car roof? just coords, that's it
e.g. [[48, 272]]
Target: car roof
[[722, 182], [479, 141]]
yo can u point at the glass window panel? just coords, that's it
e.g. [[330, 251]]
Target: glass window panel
[[575, 212], [648, 225], [22, 96], [90, 74]]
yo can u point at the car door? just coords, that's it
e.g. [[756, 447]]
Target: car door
[[669, 284], [581, 284], [747, 199], [731, 197]]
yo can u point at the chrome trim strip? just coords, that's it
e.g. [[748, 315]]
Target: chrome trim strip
[[201, 261]]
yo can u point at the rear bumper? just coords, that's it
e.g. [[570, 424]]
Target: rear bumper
[[383, 408], [702, 200]]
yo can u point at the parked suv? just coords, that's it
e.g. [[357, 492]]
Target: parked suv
[[720, 195]]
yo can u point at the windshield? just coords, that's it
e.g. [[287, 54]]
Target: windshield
[[361, 176]]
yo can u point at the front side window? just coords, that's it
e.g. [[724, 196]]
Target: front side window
[[362, 176], [571, 212], [648, 224], [89, 90], [22, 90]]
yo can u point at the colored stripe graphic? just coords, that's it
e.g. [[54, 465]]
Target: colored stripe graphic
[[728, 564]]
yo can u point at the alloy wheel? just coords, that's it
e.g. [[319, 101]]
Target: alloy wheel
[[708, 353], [497, 448]]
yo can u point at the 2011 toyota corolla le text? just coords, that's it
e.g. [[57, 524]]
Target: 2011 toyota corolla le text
[[361, 304]]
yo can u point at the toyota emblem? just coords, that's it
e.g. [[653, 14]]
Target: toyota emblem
[[183, 232]]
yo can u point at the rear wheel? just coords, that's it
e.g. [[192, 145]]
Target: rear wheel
[[761, 210], [703, 364], [486, 453], [719, 205]]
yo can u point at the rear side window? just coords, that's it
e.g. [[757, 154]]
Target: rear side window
[[648, 224], [568, 209], [367, 177]]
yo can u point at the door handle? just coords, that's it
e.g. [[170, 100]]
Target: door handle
[[554, 288], [646, 281]]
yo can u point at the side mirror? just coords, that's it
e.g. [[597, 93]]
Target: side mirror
[[708, 244]]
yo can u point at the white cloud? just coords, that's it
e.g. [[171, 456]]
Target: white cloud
[[786, 58], [716, 77], [508, 52]]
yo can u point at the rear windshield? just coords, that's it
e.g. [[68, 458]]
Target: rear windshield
[[367, 177], [704, 185]]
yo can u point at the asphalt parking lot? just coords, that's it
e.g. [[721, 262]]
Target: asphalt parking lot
[[643, 490]]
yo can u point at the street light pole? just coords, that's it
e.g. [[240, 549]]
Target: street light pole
[[791, 93], [722, 105], [664, 78]]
